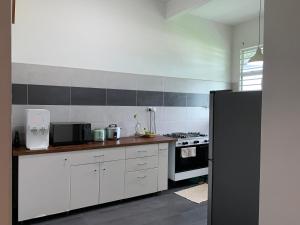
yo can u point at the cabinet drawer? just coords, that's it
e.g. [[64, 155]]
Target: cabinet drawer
[[85, 157], [140, 182], [112, 154], [141, 163], [95, 156], [163, 146], [141, 151]]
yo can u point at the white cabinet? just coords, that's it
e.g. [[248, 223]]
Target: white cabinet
[[163, 170], [112, 154], [59, 182], [84, 186], [112, 175], [141, 182], [141, 163], [44, 185], [141, 151]]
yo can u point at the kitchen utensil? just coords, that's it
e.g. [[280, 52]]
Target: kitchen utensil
[[113, 132], [99, 135]]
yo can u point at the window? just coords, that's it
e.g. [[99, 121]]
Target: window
[[251, 75]]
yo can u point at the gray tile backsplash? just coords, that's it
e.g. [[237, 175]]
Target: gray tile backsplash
[[19, 94], [197, 100], [173, 99], [101, 98], [150, 98], [88, 96], [48, 95], [117, 97]]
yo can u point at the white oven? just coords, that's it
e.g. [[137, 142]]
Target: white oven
[[188, 159]]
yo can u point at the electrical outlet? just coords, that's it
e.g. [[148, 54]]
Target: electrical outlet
[[151, 109]]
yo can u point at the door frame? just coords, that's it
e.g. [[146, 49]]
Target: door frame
[[5, 119]]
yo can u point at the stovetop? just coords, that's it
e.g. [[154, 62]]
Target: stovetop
[[182, 135], [189, 139]]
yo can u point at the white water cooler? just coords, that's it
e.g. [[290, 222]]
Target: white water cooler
[[37, 129]]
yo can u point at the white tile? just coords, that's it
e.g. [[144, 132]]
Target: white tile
[[89, 78], [193, 85], [121, 81], [173, 114], [117, 114], [199, 86], [127, 129], [18, 114], [150, 83], [170, 127], [204, 87], [58, 113], [197, 113], [99, 125], [175, 85], [198, 126], [220, 86], [20, 73], [88, 114], [50, 75]]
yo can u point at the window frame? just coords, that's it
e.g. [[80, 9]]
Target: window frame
[[258, 73]]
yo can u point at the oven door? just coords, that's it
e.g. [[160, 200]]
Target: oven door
[[198, 161]]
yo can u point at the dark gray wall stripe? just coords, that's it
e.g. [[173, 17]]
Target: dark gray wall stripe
[[197, 100], [121, 97], [88, 96], [48, 95], [55, 95], [175, 99], [150, 98], [19, 94]]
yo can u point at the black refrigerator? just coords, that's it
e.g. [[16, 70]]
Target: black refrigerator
[[234, 158]]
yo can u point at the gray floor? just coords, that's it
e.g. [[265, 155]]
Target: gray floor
[[163, 209]]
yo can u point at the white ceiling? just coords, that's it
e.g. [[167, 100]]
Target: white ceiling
[[230, 12]]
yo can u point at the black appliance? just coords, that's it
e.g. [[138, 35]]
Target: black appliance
[[70, 133], [234, 158], [200, 161]]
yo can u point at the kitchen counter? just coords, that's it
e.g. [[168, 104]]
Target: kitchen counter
[[126, 141]]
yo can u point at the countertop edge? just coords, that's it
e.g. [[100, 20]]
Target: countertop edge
[[123, 142]]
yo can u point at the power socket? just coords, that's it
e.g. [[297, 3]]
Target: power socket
[[151, 109]]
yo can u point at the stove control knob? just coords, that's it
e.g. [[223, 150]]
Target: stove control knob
[[185, 143], [205, 141], [196, 142]]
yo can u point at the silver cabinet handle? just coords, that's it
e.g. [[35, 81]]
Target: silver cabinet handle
[[142, 177], [142, 164], [97, 156], [142, 151]]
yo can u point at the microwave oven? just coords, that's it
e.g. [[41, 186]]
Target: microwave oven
[[70, 133]]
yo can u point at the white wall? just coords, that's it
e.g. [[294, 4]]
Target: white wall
[[169, 119], [245, 35], [120, 35], [280, 154]]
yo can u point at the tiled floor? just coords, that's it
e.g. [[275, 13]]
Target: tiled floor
[[163, 209]]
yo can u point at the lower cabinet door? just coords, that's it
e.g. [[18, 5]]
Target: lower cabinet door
[[163, 170], [84, 185], [112, 175], [44, 185], [141, 182]]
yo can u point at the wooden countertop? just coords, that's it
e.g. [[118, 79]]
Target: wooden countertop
[[126, 141]]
